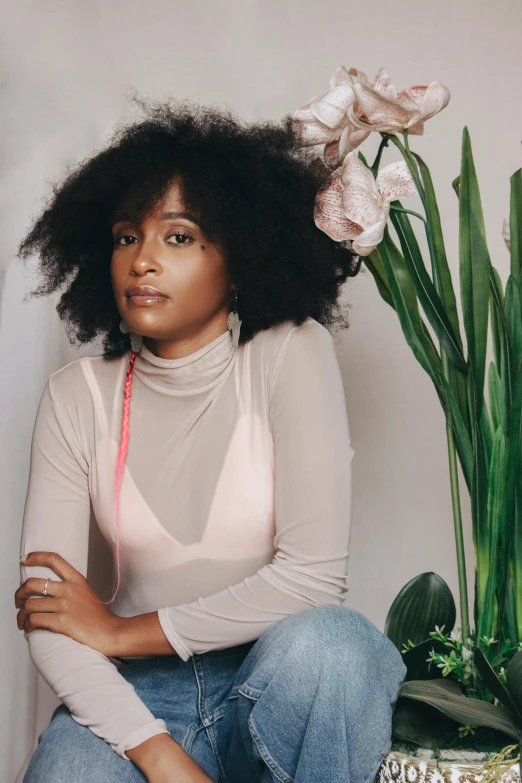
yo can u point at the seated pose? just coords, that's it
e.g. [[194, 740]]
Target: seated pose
[[210, 443]]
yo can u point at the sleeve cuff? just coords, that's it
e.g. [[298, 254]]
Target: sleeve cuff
[[175, 640], [157, 726]]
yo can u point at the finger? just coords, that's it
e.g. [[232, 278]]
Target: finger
[[53, 560], [36, 605], [51, 621], [35, 585]]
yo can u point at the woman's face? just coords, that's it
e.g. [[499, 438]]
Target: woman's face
[[169, 252]]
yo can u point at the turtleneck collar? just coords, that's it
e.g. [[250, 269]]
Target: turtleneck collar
[[192, 374]]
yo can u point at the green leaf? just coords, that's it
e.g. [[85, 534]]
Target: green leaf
[[416, 660], [496, 308], [513, 520], [514, 329], [496, 513], [514, 679], [443, 695], [373, 262], [441, 271], [495, 394], [424, 602], [515, 226], [426, 292], [462, 440], [406, 305], [493, 683], [475, 267], [414, 721]]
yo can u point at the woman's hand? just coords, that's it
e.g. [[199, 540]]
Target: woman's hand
[[71, 606]]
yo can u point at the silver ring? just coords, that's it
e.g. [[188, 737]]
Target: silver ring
[[45, 588]]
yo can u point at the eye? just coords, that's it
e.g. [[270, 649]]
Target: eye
[[179, 235], [118, 241]]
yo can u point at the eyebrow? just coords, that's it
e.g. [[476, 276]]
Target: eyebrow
[[163, 216]]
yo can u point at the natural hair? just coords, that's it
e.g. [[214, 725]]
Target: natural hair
[[252, 187]]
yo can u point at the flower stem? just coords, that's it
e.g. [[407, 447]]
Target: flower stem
[[377, 161]]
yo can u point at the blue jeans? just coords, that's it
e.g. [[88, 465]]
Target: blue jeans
[[310, 701]]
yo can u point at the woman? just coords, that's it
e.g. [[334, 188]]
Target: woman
[[225, 653]]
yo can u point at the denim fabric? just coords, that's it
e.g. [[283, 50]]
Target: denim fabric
[[310, 701]]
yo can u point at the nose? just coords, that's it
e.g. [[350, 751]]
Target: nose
[[145, 259]]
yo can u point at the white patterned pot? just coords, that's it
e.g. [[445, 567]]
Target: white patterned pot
[[402, 768]]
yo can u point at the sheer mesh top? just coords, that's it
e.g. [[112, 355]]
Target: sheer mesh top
[[235, 501]]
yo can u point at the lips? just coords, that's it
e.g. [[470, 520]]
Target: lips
[[145, 290]]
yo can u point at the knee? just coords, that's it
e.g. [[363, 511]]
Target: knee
[[339, 635], [69, 751]]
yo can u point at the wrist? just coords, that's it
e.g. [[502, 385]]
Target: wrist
[[148, 755], [141, 635]]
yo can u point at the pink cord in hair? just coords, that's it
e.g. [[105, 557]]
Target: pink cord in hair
[[124, 443]]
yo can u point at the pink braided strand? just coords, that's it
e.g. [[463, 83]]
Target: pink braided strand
[[124, 442]]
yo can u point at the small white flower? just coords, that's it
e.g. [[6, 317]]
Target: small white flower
[[455, 637], [439, 630], [502, 671], [466, 654]]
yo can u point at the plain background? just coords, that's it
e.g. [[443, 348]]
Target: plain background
[[67, 69]]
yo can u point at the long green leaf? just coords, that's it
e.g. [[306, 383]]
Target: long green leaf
[[475, 267], [515, 226], [514, 330], [462, 441], [496, 511], [406, 305], [514, 679], [425, 290], [422, 724], [461, 708], [494, 684], [512, 550], [373, 262]]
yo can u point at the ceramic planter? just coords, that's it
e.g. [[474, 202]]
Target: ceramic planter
[[402, 768]]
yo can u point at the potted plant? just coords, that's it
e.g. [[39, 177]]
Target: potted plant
[[463, 690]]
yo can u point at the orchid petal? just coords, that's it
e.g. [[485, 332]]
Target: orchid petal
[[336, 151], [506, 233], [366, 242], [395, 181], [328, 211], [417, 129], [361, 200], [382, 114], [331, 108], [341, 76], [358, 77], [307, 128], [425, 102], [384, 85]]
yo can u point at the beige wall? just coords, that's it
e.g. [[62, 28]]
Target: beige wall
[[66, 66]]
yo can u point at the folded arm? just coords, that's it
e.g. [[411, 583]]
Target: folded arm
[[56, 519]]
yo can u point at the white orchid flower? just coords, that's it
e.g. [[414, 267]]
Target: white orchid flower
[[324, 119], [379, 107], [354, 205], [506, 234]]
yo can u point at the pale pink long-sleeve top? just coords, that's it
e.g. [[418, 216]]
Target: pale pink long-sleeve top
[[235, 501]]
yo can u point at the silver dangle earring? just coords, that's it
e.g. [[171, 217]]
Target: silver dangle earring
[[135, 339], [233, 322]]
